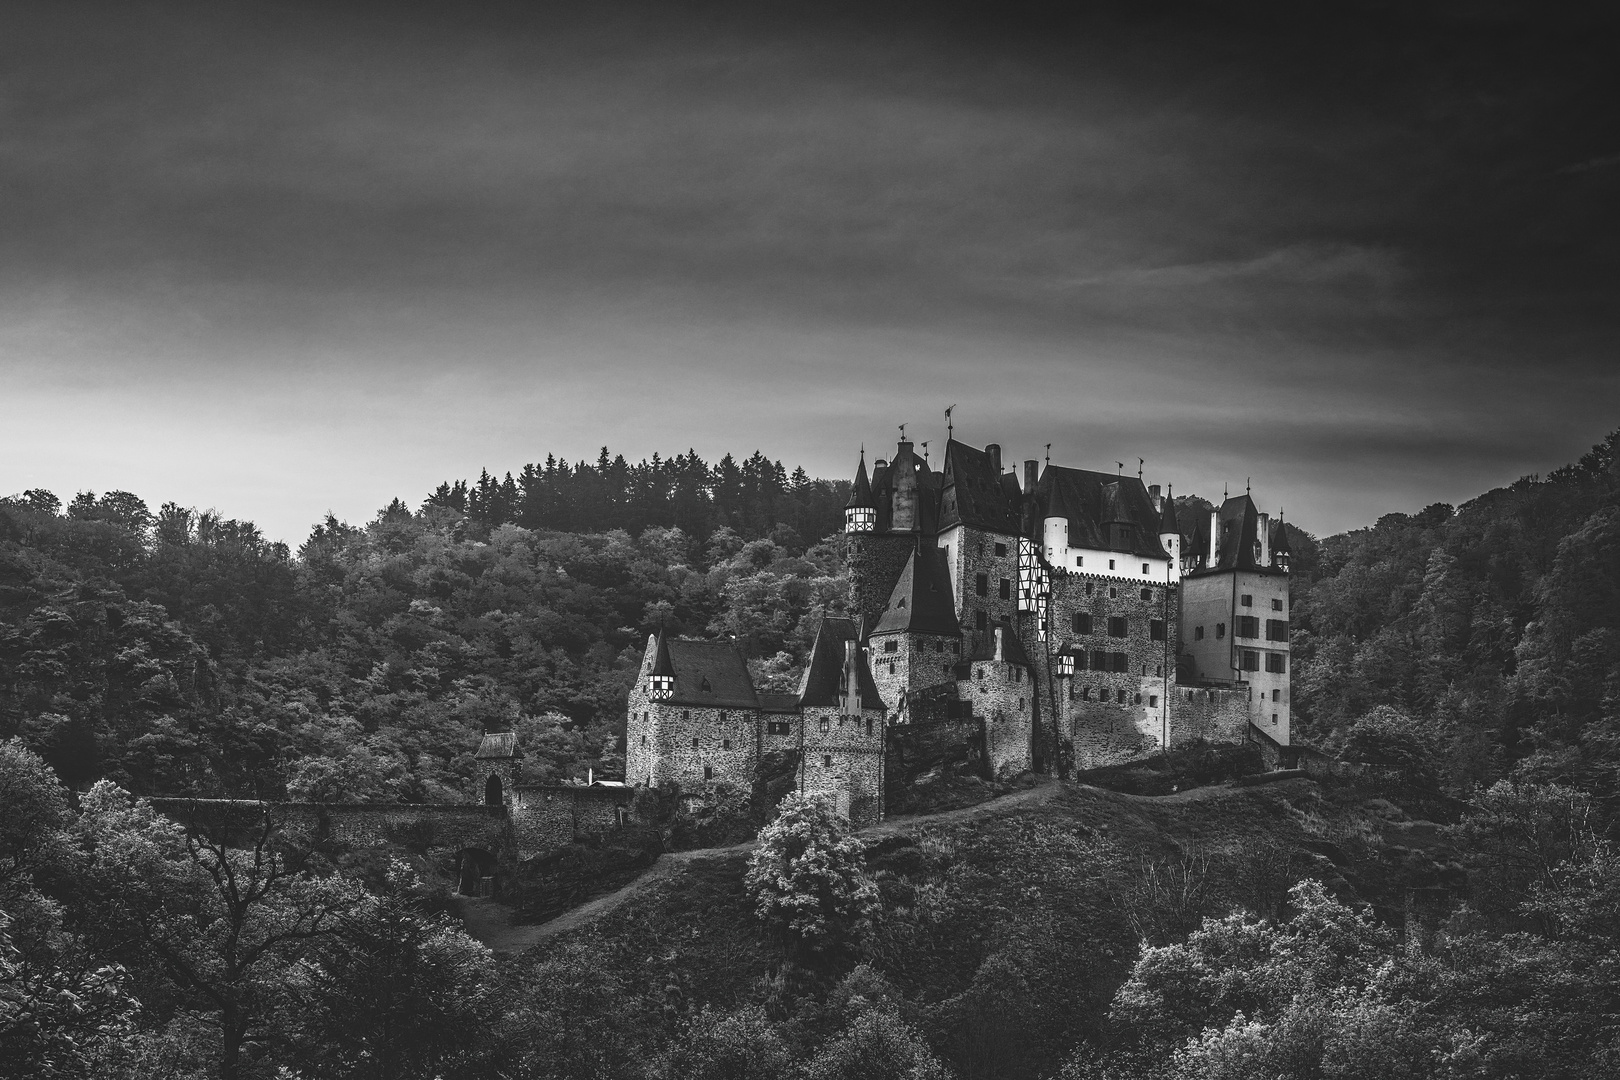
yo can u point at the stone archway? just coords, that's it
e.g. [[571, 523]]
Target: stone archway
[[476, 872], [493, 793]]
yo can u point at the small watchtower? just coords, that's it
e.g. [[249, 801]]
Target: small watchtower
[[500, 762]]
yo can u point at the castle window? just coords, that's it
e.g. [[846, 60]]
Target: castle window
[[1117, 626], [826, 761], [945, 668], [1247, 600], [1122, 662], [1006, 589], [725, 744], [704, 685], [686, 714], [780, 727], [869, 723], [981, 621], [1001, 549], [1090, 588], [1248, 626], [708, 772], [1113, 593], [891, 667], [825, 725], [1198, 633], [1079, 560], [1023, 705], [1276, 663], [1156, 629], [1144, 671], [956, 646], [1085, 693], [939, 644], [1274, 719], [1153, 701], [1110, 564], [1101, 661], [1147, 594], [1276, 605], [1251, 660], [1158, 671], [694, 742], [644, 740], [892, 645], [1144, 570], [1138, 699], [1081, 622], [978, 673], [1102, 693], [1276, 695], [1276, 629], [1220, 631], [722, 716]]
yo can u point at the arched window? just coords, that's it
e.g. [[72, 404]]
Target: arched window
[[492, 790]]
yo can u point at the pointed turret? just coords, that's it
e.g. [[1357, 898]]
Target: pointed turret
[[1281, 554], [1170, 532], [860, 513], [661, 680]]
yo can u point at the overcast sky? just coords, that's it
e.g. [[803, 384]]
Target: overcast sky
[[281, 259]]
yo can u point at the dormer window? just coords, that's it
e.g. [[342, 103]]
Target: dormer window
[[661, 687], [859, 519], [704, 685]]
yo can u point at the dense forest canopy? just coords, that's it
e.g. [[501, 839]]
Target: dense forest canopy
[[180, 653]]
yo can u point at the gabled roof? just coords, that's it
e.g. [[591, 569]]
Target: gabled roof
[[922, 601], [1092, 501], [973, 493], [709, 674], [778, 703], [824, 675], [860, 493], [498, 746]]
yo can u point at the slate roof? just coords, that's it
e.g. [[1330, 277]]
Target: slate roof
[[1239, 536], [824, 675], [498, 745], [1279, 537], [1092, 501], [708, 674], [778, 703], [1167, 520], [907, 467], [922, 601], [973, 493], [860, 493]]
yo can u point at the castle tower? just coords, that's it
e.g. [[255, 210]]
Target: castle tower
[[916, 640], [693, 716], [1234, 615], [843, 732], [1169, 528], [860, 513]]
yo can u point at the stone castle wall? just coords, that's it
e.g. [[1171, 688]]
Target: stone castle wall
[[1002, 694], [692, 745], [1217, 714], [971, 552], [846, 760], [874, 564]]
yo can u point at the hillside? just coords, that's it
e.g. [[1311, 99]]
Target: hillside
[[1006, 929]]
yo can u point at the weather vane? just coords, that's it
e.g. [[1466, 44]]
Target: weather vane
[[1141, 463], [950, 428]]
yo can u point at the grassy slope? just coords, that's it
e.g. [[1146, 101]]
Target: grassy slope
[[1041, 887]]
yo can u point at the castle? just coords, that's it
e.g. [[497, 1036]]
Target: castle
[[1056, 616]]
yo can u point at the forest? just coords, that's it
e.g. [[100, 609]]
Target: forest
[[143, 653]]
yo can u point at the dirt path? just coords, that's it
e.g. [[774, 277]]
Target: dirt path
[[491, 922]]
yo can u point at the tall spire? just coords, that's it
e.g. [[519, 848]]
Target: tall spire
[[860, 493]]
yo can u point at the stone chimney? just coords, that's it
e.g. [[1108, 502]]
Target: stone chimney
[[994, 450], [852, 679], [1032, 469], [1158, 501], [1214, 538], [1265, 539], [999, 655]]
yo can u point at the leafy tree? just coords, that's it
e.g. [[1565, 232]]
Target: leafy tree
[[808, 877], [878, 1045], [721, 1046]]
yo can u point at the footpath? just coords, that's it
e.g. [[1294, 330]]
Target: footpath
[[491, 922]]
